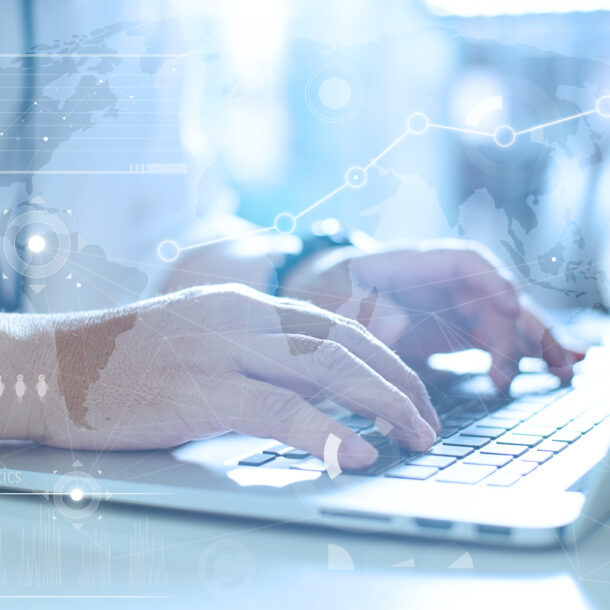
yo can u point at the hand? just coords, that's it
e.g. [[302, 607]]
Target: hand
[[445, 296], [204, 361]]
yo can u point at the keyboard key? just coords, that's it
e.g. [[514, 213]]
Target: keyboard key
[[537, 456], [503, 479], [579, 425], [519, 439], [509, 418], [312, 463], [258, 459], [528, 429], [501, 449], [521, 467], [419, 473], [445, 432], [566, 436], [491, 422], [475, 412], [435, 461], [450, 450], [296, 454], [488, 459], [465, 473], [382, 464], [460, 440], [484, 432], [278, 450], [458, 421], [384, 445], [553, 446], [356, 422]]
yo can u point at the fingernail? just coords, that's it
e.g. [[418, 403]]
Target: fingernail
[[356, 453]]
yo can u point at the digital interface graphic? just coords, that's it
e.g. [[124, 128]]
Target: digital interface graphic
[[304, 304]]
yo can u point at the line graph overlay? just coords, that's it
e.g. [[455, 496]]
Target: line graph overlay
[[418, 123]]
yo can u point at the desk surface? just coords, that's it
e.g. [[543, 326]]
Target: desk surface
[[197, 561]]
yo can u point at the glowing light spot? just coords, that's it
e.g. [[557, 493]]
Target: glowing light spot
[[77, 494], [36, 244]]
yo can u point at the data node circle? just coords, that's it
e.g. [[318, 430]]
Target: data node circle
[[285, 223], [36, 233], [504, 136], [603, 106], [77, 494], [36, 244], [418, 123], [334, 93], [355, 177], [168, 251]]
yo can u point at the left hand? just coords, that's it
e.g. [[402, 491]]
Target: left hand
[[445, 296]]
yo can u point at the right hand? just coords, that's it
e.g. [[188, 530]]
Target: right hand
[[209, 360]]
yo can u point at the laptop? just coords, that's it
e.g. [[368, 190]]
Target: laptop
[[525, 469]]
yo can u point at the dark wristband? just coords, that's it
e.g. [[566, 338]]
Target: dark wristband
[[311, 245]]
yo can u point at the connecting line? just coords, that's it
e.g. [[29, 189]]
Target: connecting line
[[320, 201], [356, 177], [222, 239], [557, 122], [387, 150], [474, 132]]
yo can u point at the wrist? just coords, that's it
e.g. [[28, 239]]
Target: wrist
[[27, 354]]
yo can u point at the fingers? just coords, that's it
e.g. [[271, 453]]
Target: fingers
[[387, 320], [311, 366], [483, 275], [540, 342], [366, 347], [281, 414], [370, 350]]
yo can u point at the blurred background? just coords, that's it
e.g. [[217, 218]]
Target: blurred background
[[310, 89], [149, 114]]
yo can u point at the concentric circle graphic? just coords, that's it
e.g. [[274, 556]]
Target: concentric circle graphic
[[36, 244], [334, 93], [77, 495], [226, 568]]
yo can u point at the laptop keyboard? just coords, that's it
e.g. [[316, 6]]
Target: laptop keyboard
[[495, 442]]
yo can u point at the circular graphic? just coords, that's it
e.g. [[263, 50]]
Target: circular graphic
[[285, 223], [355, 177], [168, 251], [36, 244], [504, 136], [603, 106], [77, 495], [226, 568], [418, 123], [334, 93]]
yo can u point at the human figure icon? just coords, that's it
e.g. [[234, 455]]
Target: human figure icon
[[41, 387], [1, 386], [20, 388]]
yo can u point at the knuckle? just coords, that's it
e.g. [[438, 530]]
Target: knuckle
[[332, 356], [359, 332]]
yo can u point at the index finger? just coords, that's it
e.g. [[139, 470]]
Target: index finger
[[365, 346]]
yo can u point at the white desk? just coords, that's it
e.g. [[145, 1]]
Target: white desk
[[197, 561]]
